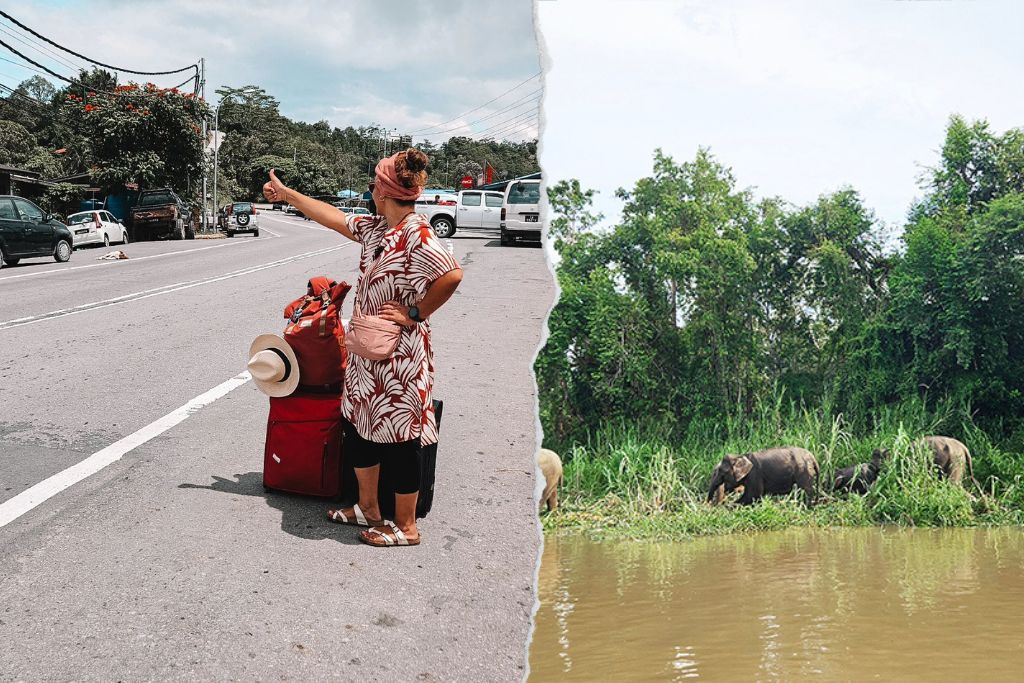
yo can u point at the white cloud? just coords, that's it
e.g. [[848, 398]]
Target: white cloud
[[405, 64], [798, 98]]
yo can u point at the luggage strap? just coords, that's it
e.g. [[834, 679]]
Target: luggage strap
[[325, 297], [327, 389]]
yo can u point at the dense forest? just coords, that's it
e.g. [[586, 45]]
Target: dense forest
[[148, 136], [706, 302]]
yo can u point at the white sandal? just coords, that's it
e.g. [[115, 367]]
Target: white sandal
[[338, 517], [387, 541]]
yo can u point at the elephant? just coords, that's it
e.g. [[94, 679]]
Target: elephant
[[551, 467], [771, 471], [859, 478], [950, 456]]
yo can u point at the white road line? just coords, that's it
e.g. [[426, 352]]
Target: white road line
[[34, 496], [166, 289], [132, 260], [449, 244], [300, 223]]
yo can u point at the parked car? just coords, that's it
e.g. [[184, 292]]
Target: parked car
[[160, 214], [96, 227], [27, 231], [520, 212], [288, 208], [470, 209], [239, 217], [355, 210], [443, 198]]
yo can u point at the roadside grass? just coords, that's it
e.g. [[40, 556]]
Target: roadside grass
[[637, 481]]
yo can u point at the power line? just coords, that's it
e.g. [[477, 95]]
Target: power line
[[14, 92], [515, 105], [41, 50], [73, 82], [522, 129], [494, 126], [515, 127], [23, 66], [529, 97], [17, 104], [93, 61], [456, 118], [501, 124], [514, 120], [507, 136]]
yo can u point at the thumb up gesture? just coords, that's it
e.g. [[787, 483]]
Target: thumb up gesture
[[274, 190]]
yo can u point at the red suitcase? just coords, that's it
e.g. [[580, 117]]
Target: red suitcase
[[303, 450]]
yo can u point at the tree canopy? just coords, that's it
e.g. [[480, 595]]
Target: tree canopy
[[704, 301], [139, 133]]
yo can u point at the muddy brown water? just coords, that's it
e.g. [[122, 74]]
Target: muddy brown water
[[859, 604]]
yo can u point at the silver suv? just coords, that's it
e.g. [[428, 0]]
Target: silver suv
[[239, 217]]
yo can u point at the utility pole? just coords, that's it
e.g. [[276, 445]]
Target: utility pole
[[216, 147], [202, 89], [385, 136]]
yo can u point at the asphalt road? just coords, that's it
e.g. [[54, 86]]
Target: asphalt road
[[172, 562]]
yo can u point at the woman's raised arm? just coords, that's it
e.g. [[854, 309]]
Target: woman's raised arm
[[321, 212]]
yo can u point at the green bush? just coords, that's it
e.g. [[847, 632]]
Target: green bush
[[632, 480]]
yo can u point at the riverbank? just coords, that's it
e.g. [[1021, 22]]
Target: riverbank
[[637, 482]]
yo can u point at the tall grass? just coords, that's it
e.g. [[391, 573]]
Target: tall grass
[[642, 480]]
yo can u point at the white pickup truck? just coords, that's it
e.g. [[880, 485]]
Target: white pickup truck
[[468, 209]]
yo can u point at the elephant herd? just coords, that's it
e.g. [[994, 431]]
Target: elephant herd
[[777, 471]]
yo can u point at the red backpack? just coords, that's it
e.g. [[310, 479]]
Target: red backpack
[[316, 334]]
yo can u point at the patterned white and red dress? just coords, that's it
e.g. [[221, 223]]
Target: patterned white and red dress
[[391, 400]]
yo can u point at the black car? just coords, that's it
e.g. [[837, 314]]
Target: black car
[[27, 231], [160, 214]]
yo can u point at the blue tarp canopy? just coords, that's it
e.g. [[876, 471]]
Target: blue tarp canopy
[[347, 194]]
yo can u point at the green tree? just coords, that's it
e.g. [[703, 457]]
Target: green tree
[[16, 143], [571, 206], [139, 133]]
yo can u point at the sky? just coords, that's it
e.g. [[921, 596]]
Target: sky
[[798, 98], [402, 65]]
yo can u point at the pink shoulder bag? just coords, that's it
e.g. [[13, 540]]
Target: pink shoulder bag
[[371, 336]]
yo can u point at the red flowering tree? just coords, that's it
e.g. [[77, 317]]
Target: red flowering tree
[[139, 134]]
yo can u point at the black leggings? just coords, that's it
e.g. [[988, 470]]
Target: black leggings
[[399, 462]]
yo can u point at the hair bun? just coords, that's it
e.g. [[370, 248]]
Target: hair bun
[[415, 160], [411, 167]]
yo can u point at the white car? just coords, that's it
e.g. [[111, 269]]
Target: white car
[[467, 209], [447, 198], [96, 227], [520, 214], [355, 210]]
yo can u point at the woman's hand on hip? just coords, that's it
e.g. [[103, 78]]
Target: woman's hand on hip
[[396, 313], [274, 190]]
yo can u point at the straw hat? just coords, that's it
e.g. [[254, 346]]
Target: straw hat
[[273, 365]]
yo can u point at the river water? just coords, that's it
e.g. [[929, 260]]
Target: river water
[[858, 604]]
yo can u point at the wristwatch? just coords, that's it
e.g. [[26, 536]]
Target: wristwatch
[[414, 314]]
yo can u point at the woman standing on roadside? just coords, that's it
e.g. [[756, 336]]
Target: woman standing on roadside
[[405, 274]]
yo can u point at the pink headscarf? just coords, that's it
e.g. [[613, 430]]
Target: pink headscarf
[[387, 182]]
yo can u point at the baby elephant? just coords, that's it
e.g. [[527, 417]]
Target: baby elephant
[[772, 471], [950, 457], [859, 478], [551, 467]]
